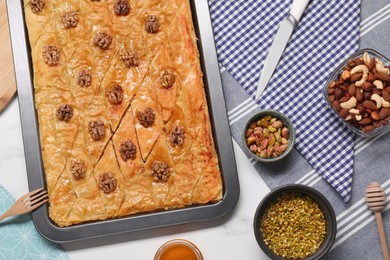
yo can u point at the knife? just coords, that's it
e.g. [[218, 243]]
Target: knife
[[279, 44]]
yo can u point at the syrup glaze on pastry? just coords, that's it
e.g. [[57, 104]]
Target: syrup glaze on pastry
[[123, 117]]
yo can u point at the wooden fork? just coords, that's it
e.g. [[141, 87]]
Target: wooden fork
[[27, 203]]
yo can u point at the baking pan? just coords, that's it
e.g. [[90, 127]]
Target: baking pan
[[219, 122]]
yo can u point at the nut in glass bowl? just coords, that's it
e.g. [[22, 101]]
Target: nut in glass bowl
[[268, 136], [358, 92]]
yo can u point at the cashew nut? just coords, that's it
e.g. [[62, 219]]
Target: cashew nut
[[366, 58], [385, 103], [377, 99], [350, 103], [354, 111], [380, 68], [378, 84], [358, 117], [360, 68]]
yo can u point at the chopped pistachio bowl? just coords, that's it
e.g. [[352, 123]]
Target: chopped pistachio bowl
[[268, 136], [295, 222]]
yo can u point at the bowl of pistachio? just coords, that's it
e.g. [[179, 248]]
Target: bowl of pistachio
[[268, 136], [295, 222]]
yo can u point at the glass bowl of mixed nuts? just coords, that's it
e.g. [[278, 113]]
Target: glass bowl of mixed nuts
[[268, 136], [358, 91], [295, 222]]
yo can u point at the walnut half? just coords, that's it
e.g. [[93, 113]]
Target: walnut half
[[51, 55], [129, 58], [97, 130], [146, 118], [161, 171], [115, 95], [107, 182], [84, 78], [152, 24], [78, 169], [37, 5], [122, 7], [64, 112], [177, 135], [127, 150], [70, 19], [167, 79], [102, 40]]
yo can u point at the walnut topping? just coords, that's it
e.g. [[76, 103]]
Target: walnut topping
[[102, 40], [161, 171], [37, 5], [78, 169], [51, 55], [64, 112], [127, 150], [167, 79], [177, 135], [151, 24], [107, 182], [129, 58], [70, 19], [85, 78], [97, 129], [115, 95], [146, 118], [122, 7]]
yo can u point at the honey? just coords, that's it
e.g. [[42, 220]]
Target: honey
[[178, 249]]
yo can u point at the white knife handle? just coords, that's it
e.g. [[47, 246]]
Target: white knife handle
[[297, 8]]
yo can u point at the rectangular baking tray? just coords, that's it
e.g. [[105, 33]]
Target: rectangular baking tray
[[219, 122]]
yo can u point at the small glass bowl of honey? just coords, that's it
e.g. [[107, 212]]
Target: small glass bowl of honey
[[178, 249]]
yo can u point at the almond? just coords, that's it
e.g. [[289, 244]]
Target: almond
[[369, 105], [344, 113], [368, 128], [371, 65], [385, 112], [374, 115], [362, 110], [359, 95], [336, 105], [355, 77], [344, 99], [386, 95], [352, 90], [371, 77], [367, 86], [338, 93], [365, 121], [383, 76]]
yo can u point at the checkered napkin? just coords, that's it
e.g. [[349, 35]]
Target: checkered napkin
[[326, 35]]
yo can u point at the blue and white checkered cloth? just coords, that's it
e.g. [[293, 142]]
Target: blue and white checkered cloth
[[326, 35]]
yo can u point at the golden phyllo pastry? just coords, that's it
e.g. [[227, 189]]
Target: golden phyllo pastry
[[123, 118]]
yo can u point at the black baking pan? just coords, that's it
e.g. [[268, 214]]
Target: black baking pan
[[34, 165]]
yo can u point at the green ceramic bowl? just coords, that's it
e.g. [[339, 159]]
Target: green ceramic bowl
[[285, 121]]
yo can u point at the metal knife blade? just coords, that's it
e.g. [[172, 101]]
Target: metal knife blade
[[277, 48]]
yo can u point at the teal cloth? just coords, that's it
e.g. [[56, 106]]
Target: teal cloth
[[20, 240]]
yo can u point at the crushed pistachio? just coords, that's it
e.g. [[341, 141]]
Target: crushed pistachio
[[293, 226]]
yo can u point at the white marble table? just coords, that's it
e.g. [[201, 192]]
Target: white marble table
[[229, 238]]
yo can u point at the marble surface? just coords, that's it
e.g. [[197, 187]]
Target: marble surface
[[229, 238]]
